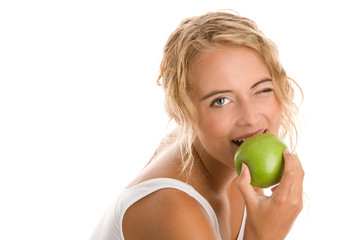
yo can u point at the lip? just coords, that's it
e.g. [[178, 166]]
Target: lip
[[251, 134]]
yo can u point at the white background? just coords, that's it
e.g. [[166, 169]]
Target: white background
[[80, 111]]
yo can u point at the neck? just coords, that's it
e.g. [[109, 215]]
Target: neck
[[211, 172]]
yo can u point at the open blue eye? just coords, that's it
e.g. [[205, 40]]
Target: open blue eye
[[220, 102]]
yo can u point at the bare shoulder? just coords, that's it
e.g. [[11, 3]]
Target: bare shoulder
[[165, 214]]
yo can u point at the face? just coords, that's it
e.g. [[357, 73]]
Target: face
[[233, 93]]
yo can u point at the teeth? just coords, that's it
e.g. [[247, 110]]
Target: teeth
[[238, 142], [241, 140]]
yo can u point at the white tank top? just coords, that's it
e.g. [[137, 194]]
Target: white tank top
[[110, 226]]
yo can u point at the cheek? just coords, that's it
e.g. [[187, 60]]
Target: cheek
[[214, 129], [274, 114], [213, 135], [214, 124]]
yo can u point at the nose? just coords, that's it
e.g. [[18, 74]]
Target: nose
[[247, 114]]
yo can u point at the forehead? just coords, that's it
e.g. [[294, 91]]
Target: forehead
[[227, 67]]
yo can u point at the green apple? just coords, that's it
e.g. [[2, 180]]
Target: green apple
[[263, 154]]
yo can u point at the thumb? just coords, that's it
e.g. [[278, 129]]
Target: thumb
[[243, 183]]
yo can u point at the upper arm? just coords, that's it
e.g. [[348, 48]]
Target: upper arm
[[167, 214]]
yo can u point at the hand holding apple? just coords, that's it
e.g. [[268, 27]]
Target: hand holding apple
[[271, 217]]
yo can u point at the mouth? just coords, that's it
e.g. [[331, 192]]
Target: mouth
[[238, 141]]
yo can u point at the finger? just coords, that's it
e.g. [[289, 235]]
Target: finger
[[274, 188], [288, 179], [259, 191], [243, 183], [298, 185]]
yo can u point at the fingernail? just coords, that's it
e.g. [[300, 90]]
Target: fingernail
[[244, 168], [245, 173]]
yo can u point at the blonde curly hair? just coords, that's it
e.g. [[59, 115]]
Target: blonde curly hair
[[197, 35]]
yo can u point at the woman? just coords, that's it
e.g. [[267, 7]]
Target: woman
[[223, 83]]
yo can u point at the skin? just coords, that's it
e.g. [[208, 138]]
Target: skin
[[232, 91]]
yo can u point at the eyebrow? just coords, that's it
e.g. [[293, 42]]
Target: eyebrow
[[261, 81], [227, 91], [214, 93]]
